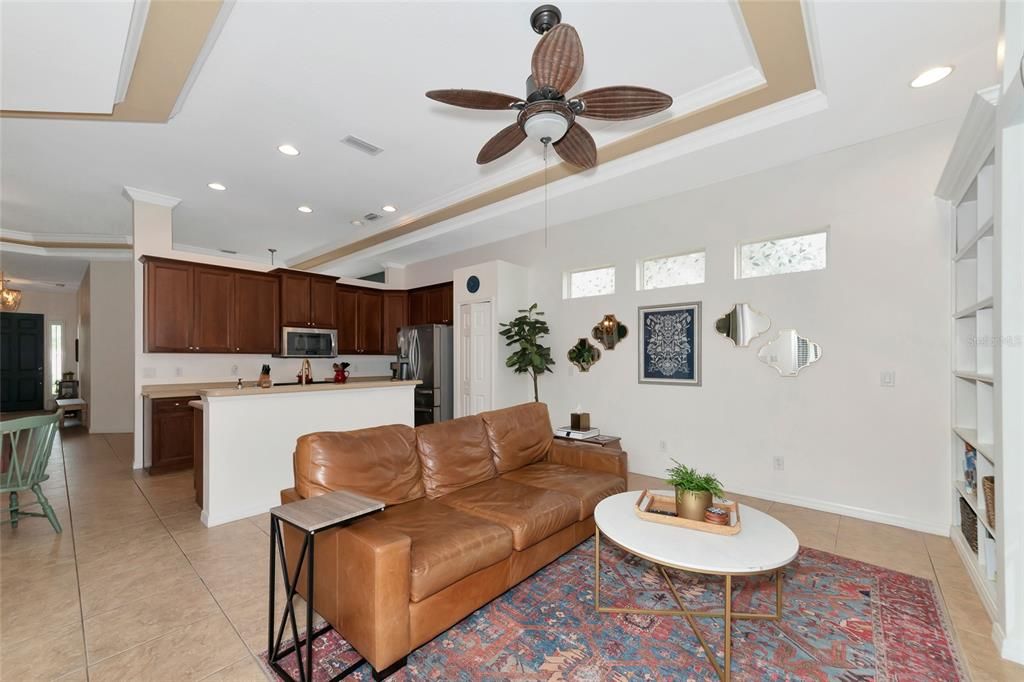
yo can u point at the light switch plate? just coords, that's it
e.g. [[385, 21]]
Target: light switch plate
[[888, 378]]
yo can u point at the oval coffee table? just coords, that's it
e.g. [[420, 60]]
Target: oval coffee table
[[765, 545]]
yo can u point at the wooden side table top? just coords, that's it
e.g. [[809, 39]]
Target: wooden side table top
[[614, 442], [323, 511]]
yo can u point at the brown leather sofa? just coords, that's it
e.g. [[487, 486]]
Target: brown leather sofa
[[474, 506]]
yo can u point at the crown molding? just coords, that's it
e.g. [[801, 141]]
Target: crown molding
[[69, 250], [45, 287], [147, 197], [136, 26], [56, 238], [973, 144]]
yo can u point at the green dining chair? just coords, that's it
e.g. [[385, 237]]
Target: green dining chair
[[26, 452]]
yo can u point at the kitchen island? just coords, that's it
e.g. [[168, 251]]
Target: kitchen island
[[249, 436]]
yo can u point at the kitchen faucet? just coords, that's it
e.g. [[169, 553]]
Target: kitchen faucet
[[305, 375]]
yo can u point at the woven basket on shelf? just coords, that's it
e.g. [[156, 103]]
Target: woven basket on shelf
[[988, 486], [969, 525]]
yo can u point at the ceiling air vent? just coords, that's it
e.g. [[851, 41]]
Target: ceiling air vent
[[362, 145], [371, 216]]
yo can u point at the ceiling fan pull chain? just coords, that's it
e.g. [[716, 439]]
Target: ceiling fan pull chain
[[546, 195]]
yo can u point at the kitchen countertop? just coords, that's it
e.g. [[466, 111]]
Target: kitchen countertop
[[350, 385], [190, 389]]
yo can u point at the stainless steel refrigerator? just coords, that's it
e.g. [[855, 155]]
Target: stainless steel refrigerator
[[428, 349]]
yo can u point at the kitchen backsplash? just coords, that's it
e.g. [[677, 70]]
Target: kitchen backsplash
[[172, 368]]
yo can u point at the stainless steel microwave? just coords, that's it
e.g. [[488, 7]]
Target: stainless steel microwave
[[306, 342]]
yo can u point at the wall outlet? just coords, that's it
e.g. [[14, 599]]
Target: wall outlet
[[779, 463], [179, 371], [234, 373], [662, 446], [888, 378], [149, 372]]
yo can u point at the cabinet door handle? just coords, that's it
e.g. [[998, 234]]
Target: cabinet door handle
[[177, 404], [236, 349]]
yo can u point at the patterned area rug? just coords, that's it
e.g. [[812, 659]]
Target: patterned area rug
[[842, 620]]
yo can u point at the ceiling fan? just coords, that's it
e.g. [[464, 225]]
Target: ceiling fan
[[546, 115]]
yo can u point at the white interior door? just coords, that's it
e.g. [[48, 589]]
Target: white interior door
[[476, 339]]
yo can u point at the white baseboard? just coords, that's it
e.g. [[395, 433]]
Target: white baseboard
[[1010, 649], [847, 510]]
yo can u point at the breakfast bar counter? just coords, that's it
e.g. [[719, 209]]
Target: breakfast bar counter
[[249, 435]]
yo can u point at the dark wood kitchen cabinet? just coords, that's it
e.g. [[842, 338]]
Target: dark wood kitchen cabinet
[[394, 315], [360, 316], [307, 300], [431, 305], [169, 302], [257, 313], [172, 436], [213, 310], [194, 308]]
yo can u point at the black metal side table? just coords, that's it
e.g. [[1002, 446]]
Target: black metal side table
[[309, 516]]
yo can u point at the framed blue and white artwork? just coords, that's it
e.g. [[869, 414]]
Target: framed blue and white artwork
[[669, 341]]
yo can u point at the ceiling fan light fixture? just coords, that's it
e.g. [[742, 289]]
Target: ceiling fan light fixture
[[547, 127]]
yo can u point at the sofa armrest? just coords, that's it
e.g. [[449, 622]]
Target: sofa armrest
[[590, 457], [373, 591]]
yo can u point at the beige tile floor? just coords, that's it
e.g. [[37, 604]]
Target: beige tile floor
[[136, 588]]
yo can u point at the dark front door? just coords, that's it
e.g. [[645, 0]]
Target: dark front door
[[21, 362]]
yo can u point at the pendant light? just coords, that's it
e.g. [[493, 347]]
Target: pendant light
[[10, 299]]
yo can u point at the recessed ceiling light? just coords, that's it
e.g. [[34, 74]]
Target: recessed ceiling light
[[931, 76], [288, 150], [305, 209], [217, 186], [357, 223], [388, 209]]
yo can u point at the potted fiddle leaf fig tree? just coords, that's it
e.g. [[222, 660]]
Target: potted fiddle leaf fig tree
[[694, 491], [530, 355]]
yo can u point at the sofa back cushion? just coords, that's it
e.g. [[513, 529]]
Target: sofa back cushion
[[380, 462], [518, 435], [454, 455]]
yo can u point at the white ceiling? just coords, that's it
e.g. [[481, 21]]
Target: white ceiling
[[325, 70], [44, 271], [62, 56], [311, 73]]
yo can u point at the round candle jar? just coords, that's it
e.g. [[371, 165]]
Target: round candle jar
[[717, 516]]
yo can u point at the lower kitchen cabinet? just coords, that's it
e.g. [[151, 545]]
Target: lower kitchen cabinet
[[172, 437]]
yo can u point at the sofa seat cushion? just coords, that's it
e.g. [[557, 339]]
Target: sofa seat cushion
[[447, 545], [531, 513], [587, 487]]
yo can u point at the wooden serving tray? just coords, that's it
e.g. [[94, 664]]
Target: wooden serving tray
[[648, 506]]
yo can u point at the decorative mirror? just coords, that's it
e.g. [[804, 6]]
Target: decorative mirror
[[789, 353], [742, 324], [609, 331], [584, 354]]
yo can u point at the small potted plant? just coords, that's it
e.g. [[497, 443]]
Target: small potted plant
[[694, 492]]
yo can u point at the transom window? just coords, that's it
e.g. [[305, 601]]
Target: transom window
[[593, 282], [780, 256], [672, 271]]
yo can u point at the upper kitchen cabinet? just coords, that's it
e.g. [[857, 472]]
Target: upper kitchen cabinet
[[169, 317], [195, 308], [431, 305], [394, 315], [307, 300], [359, 314], [213, 310], [257, 313]]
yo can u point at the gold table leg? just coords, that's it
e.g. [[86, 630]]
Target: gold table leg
[[724, 671]]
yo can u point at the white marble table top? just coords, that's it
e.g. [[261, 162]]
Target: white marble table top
[[763, 544]]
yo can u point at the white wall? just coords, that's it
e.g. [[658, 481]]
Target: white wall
[[849, 445], [111, 363], [54, 307]]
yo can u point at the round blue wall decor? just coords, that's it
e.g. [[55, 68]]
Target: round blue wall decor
[[473, 284]]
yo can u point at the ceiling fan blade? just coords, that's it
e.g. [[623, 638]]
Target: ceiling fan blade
[[505, 141], [558, 59], [577, 147], [622, 102], [474, 99]]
